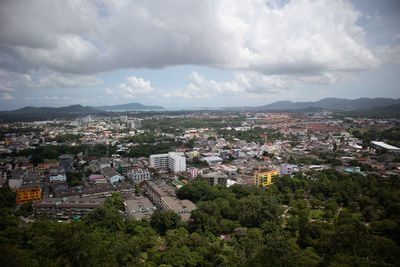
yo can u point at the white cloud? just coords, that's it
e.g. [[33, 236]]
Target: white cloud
[[11, 81], [6, 96], [109, 91], [249, 82], [54, 98], [135, 86], [309, 38]]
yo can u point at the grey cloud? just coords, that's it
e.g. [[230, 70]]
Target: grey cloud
[[301, 37]]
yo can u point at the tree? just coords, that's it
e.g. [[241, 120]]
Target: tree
[[115, 201], [7, 197], [106, 217], [74, 178], [163, 221], [255, 210], [252, 243]]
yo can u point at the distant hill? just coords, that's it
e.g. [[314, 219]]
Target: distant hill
[[393, 109], [47, 113], [68, 109], [332, 104], [128, 107]]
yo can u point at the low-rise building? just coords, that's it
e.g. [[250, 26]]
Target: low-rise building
[[58, 178], [66, 208], [215, 178], [139, 208], [28, 193], [112, 175], [138, 175], [43, 167], [163, 196], [212, 159], [288, 169]]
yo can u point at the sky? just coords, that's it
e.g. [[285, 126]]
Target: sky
[[196, 53]]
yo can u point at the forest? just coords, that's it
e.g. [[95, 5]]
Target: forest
[[321, 218]]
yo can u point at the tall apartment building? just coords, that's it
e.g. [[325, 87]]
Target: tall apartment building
[[134, 123], [174, 161], [264, 178]]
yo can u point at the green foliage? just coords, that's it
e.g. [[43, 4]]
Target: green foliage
[[74, 178], [252, 135], [163, 221], [24, 210], [115, 201], [64, 138], [391, 135], [198, 163], [255, 210], [7, 197], [145, 150], [330, 219]]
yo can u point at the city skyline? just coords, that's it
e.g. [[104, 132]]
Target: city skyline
[[184, 54]]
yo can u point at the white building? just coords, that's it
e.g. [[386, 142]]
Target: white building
[[212, 160], [174, 161], [58, 178], [139, 175], [112, 175], [383, 145]]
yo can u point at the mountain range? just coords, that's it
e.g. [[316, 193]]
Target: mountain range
[[128, 107], [73, 109], [332, 104], [367, 106]]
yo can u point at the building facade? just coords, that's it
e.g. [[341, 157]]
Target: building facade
[[66, 208], [28, 193], [288, 169], [138, 175], [58, 178], [264, 178]]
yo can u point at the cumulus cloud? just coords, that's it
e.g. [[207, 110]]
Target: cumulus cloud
[[10, 81], [249, 82], [135, 86], [308, 38], [6, 96]]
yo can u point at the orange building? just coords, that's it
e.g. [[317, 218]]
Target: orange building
[[28, 193], [46, 166]]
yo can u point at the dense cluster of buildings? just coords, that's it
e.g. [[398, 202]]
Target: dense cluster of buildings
[[299, 144]]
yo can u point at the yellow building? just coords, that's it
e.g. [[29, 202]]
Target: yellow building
[[27, 194], [264, 178]]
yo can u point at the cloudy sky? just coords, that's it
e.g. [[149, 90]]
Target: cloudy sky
[[193, 53]]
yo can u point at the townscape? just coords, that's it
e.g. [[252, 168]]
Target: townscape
[[199, 133], [65, 170]]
